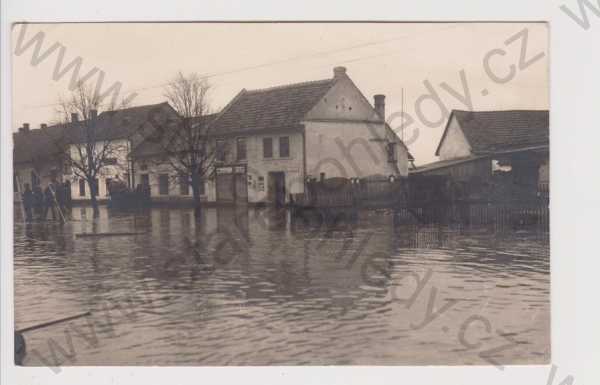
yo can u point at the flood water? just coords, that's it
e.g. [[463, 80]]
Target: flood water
[[256, 287]]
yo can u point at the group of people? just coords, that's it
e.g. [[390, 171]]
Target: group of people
[[37, 202]]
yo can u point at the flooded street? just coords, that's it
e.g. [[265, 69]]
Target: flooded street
[[257, 287]]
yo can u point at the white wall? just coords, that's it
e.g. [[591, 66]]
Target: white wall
[[345, 137], [120, 149], [455, 144], [258, 166], [154, 167], [346, 150]]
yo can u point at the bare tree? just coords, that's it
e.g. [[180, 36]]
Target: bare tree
[[89, 146], [187, 144]]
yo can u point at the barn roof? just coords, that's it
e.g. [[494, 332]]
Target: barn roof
[[489, 131]]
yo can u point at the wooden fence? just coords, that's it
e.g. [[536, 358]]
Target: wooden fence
[[343, 192], [475, 213]]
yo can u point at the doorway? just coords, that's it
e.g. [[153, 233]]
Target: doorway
[[276, 188], [232, 185]]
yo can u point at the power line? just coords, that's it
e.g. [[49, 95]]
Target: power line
[[286, 60]]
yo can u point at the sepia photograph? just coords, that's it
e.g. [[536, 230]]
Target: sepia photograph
[[281, 193]]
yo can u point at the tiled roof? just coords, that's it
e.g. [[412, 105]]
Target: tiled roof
[[128, 123], [489, 131], [38, 145], [271, 108], [151, 146], [133, 123]]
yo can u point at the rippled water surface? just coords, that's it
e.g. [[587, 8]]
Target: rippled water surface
[[254, 287]]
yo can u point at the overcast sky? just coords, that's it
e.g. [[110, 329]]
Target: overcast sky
[[381, 58]]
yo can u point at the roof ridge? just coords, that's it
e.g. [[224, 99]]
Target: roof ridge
[[290, 85]]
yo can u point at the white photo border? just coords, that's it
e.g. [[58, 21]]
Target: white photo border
[[575, 202]]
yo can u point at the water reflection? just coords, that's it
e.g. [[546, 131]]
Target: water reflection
[[260, 286]]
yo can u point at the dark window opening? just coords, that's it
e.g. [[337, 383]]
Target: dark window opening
[[284, 147], [81, 187], [267, 147], [145, 180], [107, 183], [35, 181], [220, 151], [201, 187], [241, 149], [110, 161], [184, 185], [163, 184]]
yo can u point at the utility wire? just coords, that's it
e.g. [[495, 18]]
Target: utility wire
[[286, 60]]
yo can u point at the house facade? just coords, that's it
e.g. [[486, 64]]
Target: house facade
[[49, 153], [268, 144], [490, 155], [271, 141], [307, 131], [115, 135]]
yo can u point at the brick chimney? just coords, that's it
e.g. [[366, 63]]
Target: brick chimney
[[339, 72], [379, 102], [25, 127], [74, 117], [43, 126], [93, 114]]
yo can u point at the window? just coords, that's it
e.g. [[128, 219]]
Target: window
[[220, 150], [391, 152], [107, 182], [110, 161], [96, 187], [267, 147], [184, 185], [145, 180], [144, 167], [81, 187], [284, 147], [35, 181], [241, 149], [201, 187], [163, 184]]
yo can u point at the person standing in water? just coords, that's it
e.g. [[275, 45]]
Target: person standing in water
[[28, 203], [49, 201]]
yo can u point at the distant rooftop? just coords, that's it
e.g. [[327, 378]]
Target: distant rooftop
[[489, 131]]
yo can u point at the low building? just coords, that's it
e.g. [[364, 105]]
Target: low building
[[37, 157], [488, 155], [156, 174]]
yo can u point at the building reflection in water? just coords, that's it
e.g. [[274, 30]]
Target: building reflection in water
[[242, 275]]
